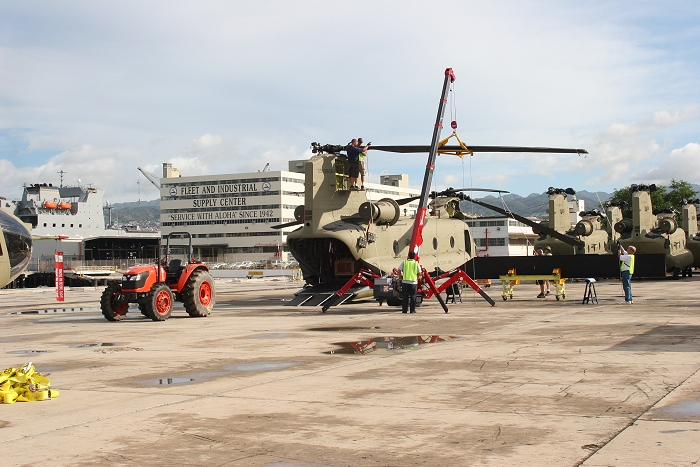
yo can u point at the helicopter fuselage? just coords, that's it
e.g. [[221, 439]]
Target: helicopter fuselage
[[343, 230]]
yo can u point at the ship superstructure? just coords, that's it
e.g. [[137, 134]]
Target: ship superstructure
[[70, 219], [73, 211]]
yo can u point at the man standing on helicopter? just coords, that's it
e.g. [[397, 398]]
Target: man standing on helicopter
[[354, 150]]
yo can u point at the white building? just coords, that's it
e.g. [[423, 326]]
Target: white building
[[502, 236], [230, 216], [576, 206]]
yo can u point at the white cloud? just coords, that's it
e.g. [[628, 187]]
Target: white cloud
[[203, 143], [681, 164]]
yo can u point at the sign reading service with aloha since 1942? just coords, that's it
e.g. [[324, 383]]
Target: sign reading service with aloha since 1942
[[219, 201]]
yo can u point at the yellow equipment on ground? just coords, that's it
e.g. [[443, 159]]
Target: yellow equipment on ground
[[512, 279], [24, 384]]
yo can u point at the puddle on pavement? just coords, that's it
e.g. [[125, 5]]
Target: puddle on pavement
[[387, 343], [4, 340], [685, 409], [167, 381], [200, 377], [271, 335], [29, 352], [262, 366], [297, 464], [96, 344], [49, 311], [346, 328]]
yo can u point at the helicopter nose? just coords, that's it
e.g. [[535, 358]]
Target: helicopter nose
[[18, 242]]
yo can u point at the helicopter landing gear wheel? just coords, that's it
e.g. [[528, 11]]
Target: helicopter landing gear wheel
[[160, 303], [199, 295], [676, 273], [113, 309]]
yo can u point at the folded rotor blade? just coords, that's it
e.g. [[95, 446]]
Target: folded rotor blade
[[426, 149], [288, 224], [569, 240]]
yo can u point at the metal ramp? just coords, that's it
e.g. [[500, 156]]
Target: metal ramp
[[322, 294]]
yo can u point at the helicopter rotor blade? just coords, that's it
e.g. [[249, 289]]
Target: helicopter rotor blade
[[288, 224], [549, 231], [403, 201], [488, 190], [424, 149]]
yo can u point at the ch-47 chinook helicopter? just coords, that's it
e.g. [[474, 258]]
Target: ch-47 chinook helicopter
[[347, 239], [15, 247], [655, 232], [587, 237], [593, 240]]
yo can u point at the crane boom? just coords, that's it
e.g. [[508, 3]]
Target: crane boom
[[155, 181], [417, 235]]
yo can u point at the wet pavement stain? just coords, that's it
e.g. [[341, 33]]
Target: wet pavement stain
[[387, 343], [686, 410], [346, 328], [167, 381], [203, 376], [95, 344], [262, 366], [666, 338], [48, 311], [271, 335]]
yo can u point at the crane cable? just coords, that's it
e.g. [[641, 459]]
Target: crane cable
[[590, 180]]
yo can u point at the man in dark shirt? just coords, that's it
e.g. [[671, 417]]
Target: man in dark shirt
[[354, 150]]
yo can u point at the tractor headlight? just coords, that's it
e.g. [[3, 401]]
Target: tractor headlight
[[134, 277]]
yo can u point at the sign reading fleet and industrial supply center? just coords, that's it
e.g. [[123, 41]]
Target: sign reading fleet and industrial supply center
[[219, 189], [218, 197]]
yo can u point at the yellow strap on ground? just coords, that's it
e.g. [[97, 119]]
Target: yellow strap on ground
[[24, 385]]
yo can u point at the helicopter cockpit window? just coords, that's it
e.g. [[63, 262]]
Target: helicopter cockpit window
[[435, 243], [18, 241], [468, 242], [396, 248]]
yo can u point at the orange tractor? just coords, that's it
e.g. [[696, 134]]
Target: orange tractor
[[156, 286]]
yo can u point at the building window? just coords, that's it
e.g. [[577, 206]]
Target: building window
[[481, 242]]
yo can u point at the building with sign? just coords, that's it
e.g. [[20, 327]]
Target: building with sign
[[502, 236], [231, 216]]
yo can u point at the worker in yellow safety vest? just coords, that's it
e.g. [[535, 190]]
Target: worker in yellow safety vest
[[409, 271], [626, 269]]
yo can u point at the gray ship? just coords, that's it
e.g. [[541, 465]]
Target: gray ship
[[70, 219]]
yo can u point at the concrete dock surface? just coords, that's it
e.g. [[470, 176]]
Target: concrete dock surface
[[528, 382]]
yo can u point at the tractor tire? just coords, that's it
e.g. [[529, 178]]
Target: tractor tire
[[110, 309], [160, 303], [199, 295]]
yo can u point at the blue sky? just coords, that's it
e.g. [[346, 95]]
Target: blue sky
[[98, 89]]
